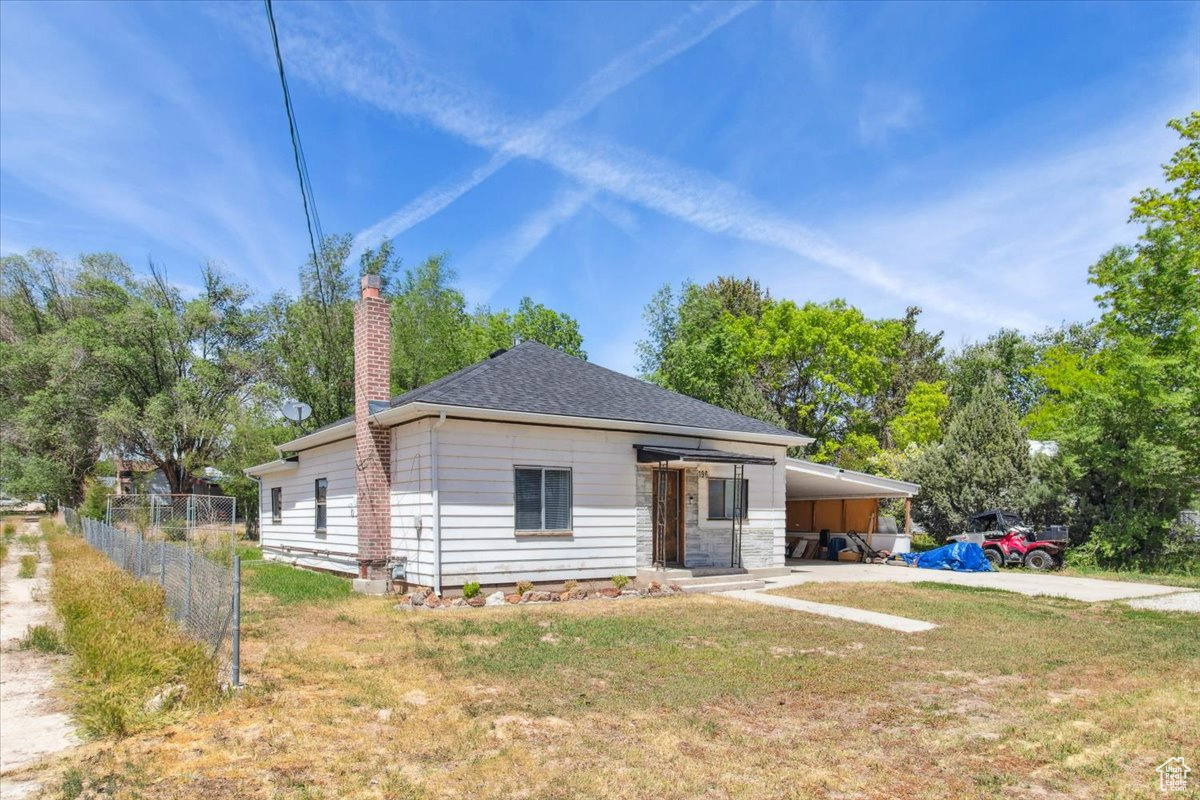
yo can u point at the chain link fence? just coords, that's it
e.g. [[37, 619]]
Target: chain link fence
[[202, 593], [207, 522]]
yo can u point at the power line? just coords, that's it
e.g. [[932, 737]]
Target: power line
[[311, 217]]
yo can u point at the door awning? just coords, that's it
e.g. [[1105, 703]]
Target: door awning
[[648, 453]]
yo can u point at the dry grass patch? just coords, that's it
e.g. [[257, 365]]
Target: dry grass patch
[[685, 697], [125, 650]]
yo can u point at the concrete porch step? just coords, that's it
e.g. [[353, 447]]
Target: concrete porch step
[[726, 586]]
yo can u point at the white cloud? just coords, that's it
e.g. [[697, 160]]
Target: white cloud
[[493, 261], [655, 183], [680, 35], [150, 154], [884, 112]]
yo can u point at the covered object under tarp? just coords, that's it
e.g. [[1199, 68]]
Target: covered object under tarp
[[959, 556]]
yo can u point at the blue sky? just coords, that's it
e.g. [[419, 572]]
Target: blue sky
[[972, 159]]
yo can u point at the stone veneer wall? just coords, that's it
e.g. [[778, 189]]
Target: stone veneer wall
[[704, 547]]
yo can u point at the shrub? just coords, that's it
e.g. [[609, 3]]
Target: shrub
[[620, 581], [10, 529], [28, 567], [44, 639], [524, 586], [571, 586], [95, 501], [922, 542], [470, 589]]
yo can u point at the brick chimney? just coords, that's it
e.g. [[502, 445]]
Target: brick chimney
[[372, 443]]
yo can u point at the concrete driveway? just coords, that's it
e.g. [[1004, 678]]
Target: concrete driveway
[[1089, 590]]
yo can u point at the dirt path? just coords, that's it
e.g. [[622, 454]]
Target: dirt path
[[34, 724]]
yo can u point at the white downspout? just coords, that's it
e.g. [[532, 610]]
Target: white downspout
[[437, 506]]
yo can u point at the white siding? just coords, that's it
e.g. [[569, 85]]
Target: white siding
[[335, 462], [479, 541], [412, 499]]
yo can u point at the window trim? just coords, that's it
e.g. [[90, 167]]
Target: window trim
[[321, 506], [745, 499], [543, 530], [276, 505]]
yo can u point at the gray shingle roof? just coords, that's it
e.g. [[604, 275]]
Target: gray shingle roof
[[534, 378]]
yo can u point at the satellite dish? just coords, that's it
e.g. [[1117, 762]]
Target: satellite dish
[[296, 411]]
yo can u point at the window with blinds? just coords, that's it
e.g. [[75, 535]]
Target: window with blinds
[[720, 498], [542, 498], [277, 505]]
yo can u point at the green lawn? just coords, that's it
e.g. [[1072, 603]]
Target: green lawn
[[289, 586]]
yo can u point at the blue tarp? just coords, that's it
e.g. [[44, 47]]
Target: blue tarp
[[959, 556]]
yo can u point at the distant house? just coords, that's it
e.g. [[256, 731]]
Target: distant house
[[136, 476], [535, 465]]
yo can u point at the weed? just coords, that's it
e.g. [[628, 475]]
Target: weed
[[470, 589], [342, 616], [571, 585], [71, 785], [620, 581], [28, 566], [43, 639], [10, 529], [124, 647], [248, 553], [524, 586]]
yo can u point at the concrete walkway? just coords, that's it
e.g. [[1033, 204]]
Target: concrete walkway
[[1034, 584], [902, 624]]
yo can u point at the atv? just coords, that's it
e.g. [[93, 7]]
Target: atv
[[1009, 542]]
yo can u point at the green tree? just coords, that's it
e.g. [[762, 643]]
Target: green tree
[[183, 368], [819, 366], [1007, 357], [1127, 413], [982, 462], [916, 359], [920, 422], [431, 330], [311, 340], [52, 384], [493, 330]]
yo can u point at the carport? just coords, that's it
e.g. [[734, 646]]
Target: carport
[[821, 497]]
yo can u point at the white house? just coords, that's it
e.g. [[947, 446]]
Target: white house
[[530, 465]]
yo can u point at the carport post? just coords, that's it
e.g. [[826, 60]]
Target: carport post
[[908, 516]]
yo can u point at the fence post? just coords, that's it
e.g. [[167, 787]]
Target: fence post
[[237, 621], [187, 603], [139, 557], [162, 563]]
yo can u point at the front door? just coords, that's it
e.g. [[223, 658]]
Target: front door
[[667, 513]]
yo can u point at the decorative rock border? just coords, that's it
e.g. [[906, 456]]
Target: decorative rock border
[[426, 600]]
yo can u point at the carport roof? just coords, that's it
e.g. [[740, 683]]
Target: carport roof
[[807, 480]]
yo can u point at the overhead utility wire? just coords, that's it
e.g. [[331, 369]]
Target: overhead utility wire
[[306, 194]]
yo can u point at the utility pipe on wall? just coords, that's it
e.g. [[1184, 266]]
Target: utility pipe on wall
[[437, 506]]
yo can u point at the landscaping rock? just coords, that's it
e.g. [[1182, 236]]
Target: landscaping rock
[[655, 586], [458, 602], [563, 597], [512, 598], [610, 591], [494, 599], [537, 597], [165, 698], [432, 601], [477, 601], [416, 599]]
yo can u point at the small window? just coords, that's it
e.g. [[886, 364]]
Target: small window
[[277, 505], [322, 486], [720, 498], [542, 498]]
